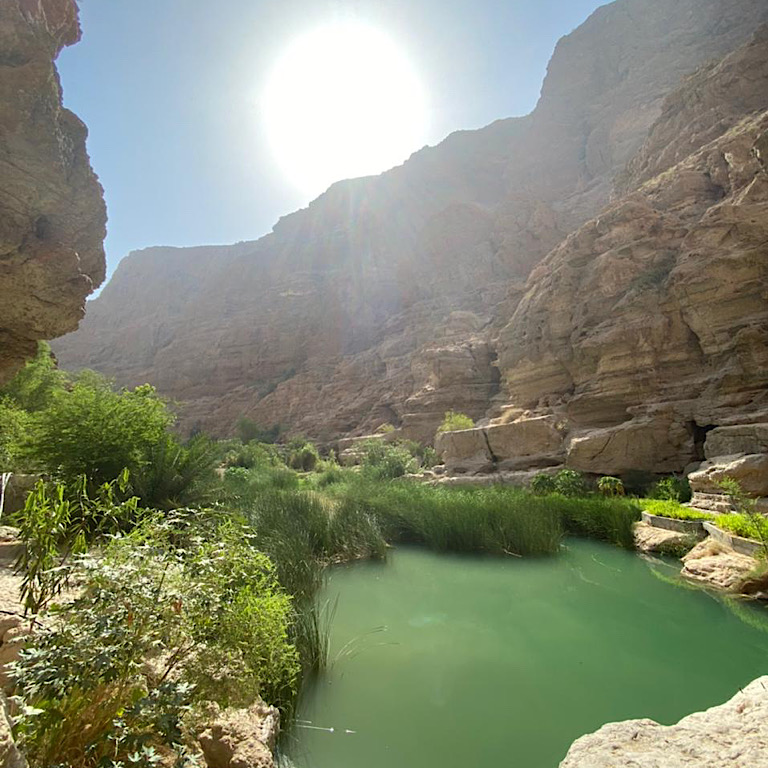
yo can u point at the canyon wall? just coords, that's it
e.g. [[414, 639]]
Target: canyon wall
[[52, 213], [594, 266]]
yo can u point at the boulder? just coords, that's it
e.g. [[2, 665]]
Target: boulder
[[750, 471], [526, 443], [464, 451], [718, 566], [741, 438], [648, 538], [734, 734], [241, 738]]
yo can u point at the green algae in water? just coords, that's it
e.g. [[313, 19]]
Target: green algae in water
[[453, 661]]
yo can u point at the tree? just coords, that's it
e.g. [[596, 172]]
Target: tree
[[90, 429]]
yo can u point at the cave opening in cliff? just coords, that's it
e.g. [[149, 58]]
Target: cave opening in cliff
[[699, 434]]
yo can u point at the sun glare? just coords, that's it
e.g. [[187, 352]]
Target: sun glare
[[342, 101]]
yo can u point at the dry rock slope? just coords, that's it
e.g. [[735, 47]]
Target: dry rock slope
[[396, 298]]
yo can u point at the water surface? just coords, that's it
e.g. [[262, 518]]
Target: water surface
[[446, 661]]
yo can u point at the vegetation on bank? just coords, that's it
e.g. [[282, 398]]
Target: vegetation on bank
[[197, 564], [673, 509]]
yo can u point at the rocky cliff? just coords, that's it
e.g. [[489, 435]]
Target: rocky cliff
[[52, 214], [476, 276]]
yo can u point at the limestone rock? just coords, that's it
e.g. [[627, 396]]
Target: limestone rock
[[383, 299], [734, 734], [651, 539], [241, 738], [527, 442], [52, 214], [750, 471], [740, 438], [717, 566], [653, 444], [465, 451]]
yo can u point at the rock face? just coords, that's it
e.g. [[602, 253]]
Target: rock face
[[429, 288], [52, 214], [734, 734]]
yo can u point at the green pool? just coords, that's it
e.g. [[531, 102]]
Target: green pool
[[468, 662]]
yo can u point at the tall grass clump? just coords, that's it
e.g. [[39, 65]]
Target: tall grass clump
[[490, 520], [597, 517]]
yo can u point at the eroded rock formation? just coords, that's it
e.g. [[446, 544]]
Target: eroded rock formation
[[52, 214], [389, 299], [733, 734]]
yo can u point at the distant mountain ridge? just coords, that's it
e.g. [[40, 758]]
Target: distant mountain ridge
[[397, 297]]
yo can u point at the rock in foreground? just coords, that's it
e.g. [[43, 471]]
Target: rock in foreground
[[52, 213], [734, 734]]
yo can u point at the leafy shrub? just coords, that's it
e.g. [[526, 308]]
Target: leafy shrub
[[34, 385], [569, 482], [249, 431], [57, 523], [156, 629], [454, 421], [386, 461], [302, 455], [14, 423], [610, 486], [542, 483], [251, 455], [94, 431], [672, 488]]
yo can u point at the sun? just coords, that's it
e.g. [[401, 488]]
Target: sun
[[342, 101]]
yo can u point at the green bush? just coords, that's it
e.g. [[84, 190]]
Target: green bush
[[155, 630], [610, 486], [302, 455], [58, 523], [542, 484], [251, 455], [386, 461], [567, 482], [672, 488], [35, 384], [14, 424], [453, 421], [249, 431], [92, 430]]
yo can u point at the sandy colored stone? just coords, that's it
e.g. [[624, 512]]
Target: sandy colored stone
[[52, 213], [384, 299], [739, 438], [750, 472], [464, 451], [527, 442], [732, 735], [241, 738], [718, 566], [654, 443], [648, 538]]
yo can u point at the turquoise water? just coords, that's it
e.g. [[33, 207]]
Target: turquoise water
[[466, 662]]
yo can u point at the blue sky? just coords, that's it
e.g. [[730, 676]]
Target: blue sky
[[170, 91]]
